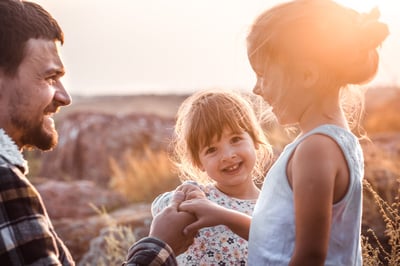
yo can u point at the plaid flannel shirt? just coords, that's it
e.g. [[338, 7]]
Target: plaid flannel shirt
[[150, 251], [27, 236]]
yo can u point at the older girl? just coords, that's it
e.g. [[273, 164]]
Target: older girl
[[305, 53]]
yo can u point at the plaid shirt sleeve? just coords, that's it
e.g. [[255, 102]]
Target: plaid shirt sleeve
[[27, 236], [150, 251]]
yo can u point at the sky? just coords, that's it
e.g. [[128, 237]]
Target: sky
[[176, 46]]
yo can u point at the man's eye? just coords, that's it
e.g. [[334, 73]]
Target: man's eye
[[51, 80]]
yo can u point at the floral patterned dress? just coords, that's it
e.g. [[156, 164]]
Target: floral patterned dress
[[216, 245]]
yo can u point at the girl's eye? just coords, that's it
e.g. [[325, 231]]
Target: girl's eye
[[210, 150], [236, 139]]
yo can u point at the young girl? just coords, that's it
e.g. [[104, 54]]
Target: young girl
[[220, 149], [304, 54]]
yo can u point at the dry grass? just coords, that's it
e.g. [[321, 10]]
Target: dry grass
[[144, 175], [381, 210], [112, 246], [374, 251]]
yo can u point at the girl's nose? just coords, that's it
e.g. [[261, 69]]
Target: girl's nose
[[256, 89], [228, 154]]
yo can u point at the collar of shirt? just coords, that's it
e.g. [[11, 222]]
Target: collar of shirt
[[9, 152]]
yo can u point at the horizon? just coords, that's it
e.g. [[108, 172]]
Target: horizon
[[369, 89]]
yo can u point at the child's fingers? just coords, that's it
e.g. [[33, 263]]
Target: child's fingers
[[187, 206], [177, 198], [188, 187], [195, 194], [192, 228]]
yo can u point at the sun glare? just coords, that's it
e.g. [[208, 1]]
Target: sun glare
[[387, 9], [364, 6], [360, 5]]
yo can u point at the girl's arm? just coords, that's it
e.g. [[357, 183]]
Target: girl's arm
[[209, 214], [317, 173]]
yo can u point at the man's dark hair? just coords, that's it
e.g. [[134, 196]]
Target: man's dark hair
[[19, 22]]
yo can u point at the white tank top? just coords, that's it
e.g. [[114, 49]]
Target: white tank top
[[272, 230]]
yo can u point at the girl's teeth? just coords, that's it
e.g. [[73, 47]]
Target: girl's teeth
[[233, 167]]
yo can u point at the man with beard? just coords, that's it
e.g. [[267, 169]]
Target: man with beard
[[31, 92]]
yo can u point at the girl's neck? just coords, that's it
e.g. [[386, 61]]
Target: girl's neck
[[248, 192], [320, 114]]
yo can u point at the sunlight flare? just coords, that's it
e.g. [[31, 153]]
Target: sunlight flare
[[364, 6]]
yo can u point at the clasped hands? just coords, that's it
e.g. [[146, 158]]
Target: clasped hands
[[196, 203], [188, 211]]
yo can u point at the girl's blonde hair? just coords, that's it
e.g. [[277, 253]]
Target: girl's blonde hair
[[342, 42], [204, 115]]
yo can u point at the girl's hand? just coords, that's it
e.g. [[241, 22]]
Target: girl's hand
[[207, 212]]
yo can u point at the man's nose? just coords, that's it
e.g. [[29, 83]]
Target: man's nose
[[61, 95]]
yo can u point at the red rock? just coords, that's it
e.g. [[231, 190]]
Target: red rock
[[87, 141]]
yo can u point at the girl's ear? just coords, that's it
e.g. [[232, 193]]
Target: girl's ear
[[201, 167], [256, 145], [310, 74]]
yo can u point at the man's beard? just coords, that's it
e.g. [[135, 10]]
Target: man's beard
[[37, 135]]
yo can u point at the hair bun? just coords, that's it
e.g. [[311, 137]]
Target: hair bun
[[364, 63], [373, 32]]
